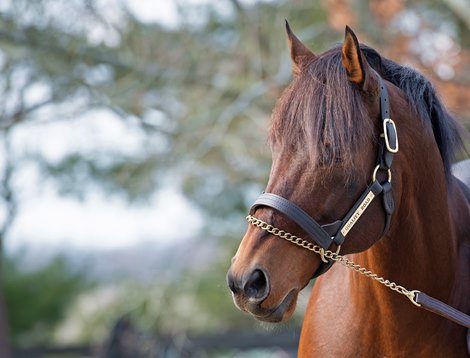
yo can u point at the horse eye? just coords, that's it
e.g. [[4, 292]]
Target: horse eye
[[338, 158], [329, 156]]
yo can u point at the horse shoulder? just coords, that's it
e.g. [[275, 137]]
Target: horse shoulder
[[333, 325]]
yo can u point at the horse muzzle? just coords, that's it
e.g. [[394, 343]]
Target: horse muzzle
[[250, 293]]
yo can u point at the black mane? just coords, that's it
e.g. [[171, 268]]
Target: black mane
[[424, 100]]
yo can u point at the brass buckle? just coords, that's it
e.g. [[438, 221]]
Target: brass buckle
[[387, 139]]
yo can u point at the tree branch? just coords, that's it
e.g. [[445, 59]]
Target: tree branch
[[461, 8], [21, 114], [85, 53]]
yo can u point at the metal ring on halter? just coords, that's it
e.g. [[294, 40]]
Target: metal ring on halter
[[374, 175], [322, 254]]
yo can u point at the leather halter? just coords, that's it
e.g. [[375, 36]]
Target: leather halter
[[335, 233]]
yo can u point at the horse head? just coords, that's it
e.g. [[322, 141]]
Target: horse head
[[324, 136]]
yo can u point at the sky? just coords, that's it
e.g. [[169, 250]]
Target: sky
[[99, 222]]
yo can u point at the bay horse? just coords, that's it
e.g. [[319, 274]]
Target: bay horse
[[347, 114]]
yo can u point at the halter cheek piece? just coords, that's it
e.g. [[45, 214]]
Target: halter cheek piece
[[336, 232]]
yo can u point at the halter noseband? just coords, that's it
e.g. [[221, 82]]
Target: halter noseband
[[325, 235]]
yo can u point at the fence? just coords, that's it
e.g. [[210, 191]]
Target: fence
[[126, 341]]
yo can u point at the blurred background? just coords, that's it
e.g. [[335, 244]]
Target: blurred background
[[132, 142]]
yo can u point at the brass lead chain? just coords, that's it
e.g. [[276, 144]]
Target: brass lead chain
[[334, 256]]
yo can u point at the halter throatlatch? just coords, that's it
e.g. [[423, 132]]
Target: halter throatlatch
[[335, 233]]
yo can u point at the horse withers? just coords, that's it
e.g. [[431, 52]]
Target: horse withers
[[351, 126]]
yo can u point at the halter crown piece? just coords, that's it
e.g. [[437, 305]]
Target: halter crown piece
[[325, 235]]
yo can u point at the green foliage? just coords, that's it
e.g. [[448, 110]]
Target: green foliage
[[186, 302], [132, 176], [202, 92], [37, 300]]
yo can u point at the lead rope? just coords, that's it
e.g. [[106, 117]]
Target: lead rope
[[417, 297], [334, 256]]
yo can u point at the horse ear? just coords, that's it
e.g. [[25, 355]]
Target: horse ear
[[354, 62], [299, 53]]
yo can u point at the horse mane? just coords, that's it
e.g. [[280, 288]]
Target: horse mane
[[320, 112], [425, 102]]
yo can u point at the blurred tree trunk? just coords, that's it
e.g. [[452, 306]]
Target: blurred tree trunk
[[5, 351], [10, 206]]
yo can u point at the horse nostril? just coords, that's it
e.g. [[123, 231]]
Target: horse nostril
[[231, 282], [256, 287]]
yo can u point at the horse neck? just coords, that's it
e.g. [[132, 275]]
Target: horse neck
[[420, 250]]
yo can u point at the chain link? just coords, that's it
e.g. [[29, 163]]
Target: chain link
[[334, 256]]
